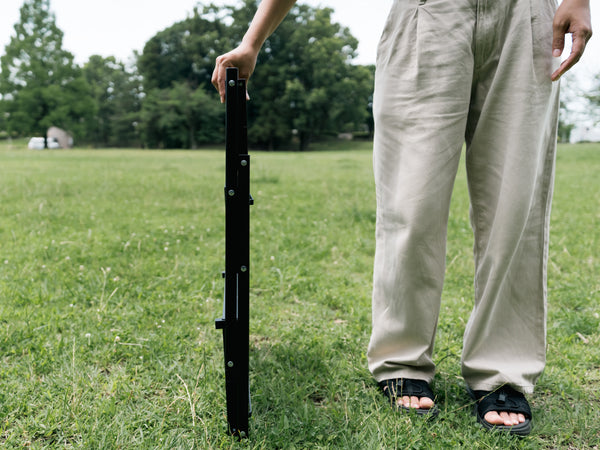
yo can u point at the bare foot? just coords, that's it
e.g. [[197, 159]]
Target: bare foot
[[501, 398], [417, 395]]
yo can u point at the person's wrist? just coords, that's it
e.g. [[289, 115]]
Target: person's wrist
[[251, 45]]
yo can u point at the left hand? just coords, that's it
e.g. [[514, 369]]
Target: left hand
[[572, 16], [243, 57]]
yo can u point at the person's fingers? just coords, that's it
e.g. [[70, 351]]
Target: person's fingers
[[218, 77], [559, 30], [242, 58], [215, 76], [558, 40], [577, 49]]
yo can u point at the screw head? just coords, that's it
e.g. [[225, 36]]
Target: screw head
[[231, 192], [232, 83], [244, 163], [229, 363], [243, 268]]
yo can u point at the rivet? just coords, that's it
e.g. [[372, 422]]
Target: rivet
[[231, 192], [244, 163], [232, 83], [229, 363], [243, 268]]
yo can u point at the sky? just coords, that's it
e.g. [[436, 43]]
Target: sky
[[118, 27]]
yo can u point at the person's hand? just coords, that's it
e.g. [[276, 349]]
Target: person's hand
[[572, 16], [243, 57]]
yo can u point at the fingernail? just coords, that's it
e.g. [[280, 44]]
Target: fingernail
[[556, 53]]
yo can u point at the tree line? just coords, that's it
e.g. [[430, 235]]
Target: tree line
[[305, 87]]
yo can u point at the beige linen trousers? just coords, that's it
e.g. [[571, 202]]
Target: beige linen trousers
[[450, 72]]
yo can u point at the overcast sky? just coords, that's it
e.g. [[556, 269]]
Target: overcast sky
[[118, 27]]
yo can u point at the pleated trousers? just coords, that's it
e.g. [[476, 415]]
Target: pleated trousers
[[451, 72]]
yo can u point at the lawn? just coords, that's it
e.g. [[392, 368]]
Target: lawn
[[110, 282]]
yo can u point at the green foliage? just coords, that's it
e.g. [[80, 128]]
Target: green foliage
[[304, 81], [181, 117], [116, 92], [304, 86], [570, 93], [110, 283], [40, 84], [181, 109], [186, 51], [593, 97]]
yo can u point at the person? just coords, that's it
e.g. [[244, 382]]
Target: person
[[480, 72]]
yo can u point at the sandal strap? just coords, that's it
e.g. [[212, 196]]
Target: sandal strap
[[400, 387], [504, 399]]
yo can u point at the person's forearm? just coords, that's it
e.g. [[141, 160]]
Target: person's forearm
[[269, 15]]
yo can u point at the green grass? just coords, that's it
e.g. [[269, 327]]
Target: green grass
[[110, 266]]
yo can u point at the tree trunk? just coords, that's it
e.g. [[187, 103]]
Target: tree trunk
[[304, 141], [192, 138]]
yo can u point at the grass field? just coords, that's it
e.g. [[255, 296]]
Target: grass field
[[110, 281]]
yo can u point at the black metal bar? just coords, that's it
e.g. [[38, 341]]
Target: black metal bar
[[236, 301]]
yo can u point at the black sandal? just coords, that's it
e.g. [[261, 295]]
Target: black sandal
[[400, 387], [503, 399]]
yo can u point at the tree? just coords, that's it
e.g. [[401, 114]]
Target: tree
[[186, 51], [116, 92], [305, 84], [593, 97], [567, 115], [40, 84], [304, 87], [181, 107], [181, 117]]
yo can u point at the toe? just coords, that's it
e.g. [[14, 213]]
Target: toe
[[504, 418], [414, 402], [492, 417], [510, 419], [406, 401], [426, 403]]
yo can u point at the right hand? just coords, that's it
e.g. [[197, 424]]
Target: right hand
[[572, 16], [242, 57]]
